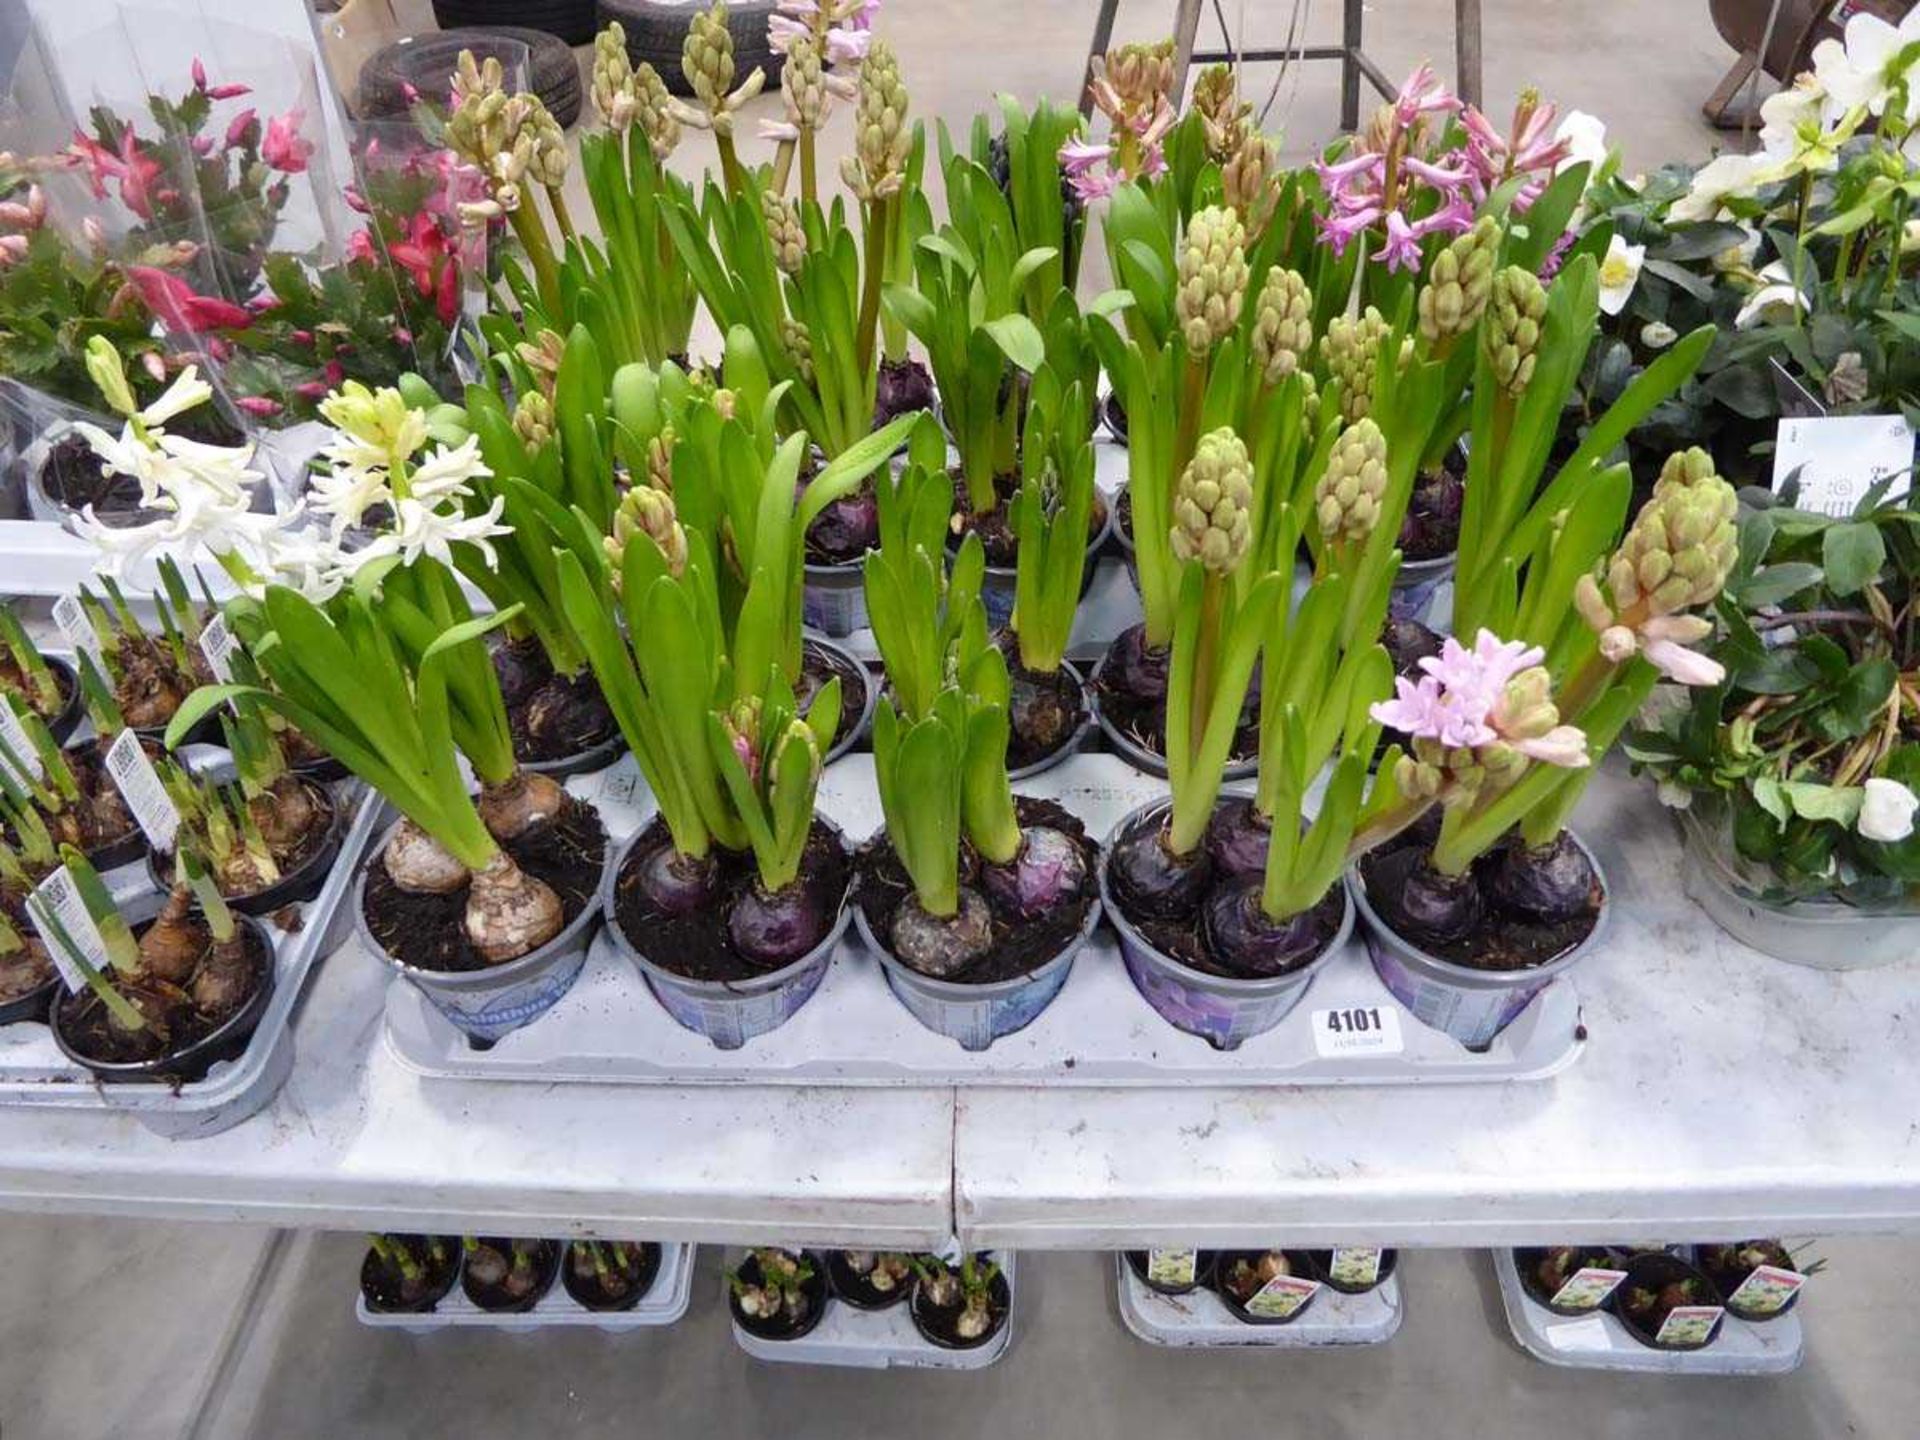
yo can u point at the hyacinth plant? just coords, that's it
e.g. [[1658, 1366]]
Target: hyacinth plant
[[24, 672], [940, 744]]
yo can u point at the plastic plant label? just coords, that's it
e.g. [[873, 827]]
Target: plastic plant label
[[1689, 1324], [620, 786], [18, 743], [1766, 1291], [1588, 1289], [1282, 1297], [1355, 1266], [1580, 1336], [58, 911], [139, 785], [1357, 1030], [1841, 457], [217, 644], [72, 619], [1172, 1267]]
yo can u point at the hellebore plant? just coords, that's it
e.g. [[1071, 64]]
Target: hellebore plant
[[1799, 765]]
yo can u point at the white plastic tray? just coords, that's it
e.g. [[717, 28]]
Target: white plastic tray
[[1600, 1342], [1098, 1032], [1200, 1320], [33, 1072], [878, 1339], [665, 1302]]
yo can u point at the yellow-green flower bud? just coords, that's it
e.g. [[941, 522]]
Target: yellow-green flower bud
[[798, 343], [706, 57], [784, 231], [1682, 544], [655, 111], [612, 84], [1348, 496], [1525, 710], [650, 512], [1213, 503], [1249, 180], [881, 138], [660, 459], [547, 162], [803, 86], [1352, 350], [1213, 278], [1516, 312], [379, 419], [533, 419], [1282, 325], [103, 365], [1459, 282]]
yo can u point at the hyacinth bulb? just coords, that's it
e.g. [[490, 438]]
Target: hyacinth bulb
[[776, 927], [568, 714], [1049, 871], [903, 386], [1240, 934], [419, 864], [1237, 838], [522, 803], [1041, 715], [942, 945], [509, 912], [1154, 880], [676, 884], [1427, 905], [1137, 668], [849, 527], [1552, 883]]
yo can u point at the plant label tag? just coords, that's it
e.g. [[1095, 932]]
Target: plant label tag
[[218, 644], [1580, 1336], [72, 619], [1839, 458], [1282, 1297], [1356, 1266], [1173, 1267], [18, 745], [61, 917], [139, 785], [1357, 1030], [620, 786], [1689, 1324], [1766, 1291], [1588, 1289]]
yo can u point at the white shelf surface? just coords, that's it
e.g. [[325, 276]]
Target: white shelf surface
[[1722, 1094], [357, 1141]]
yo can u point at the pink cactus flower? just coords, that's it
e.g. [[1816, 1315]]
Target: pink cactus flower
[[175, 305], [283, 147], [260, 406]]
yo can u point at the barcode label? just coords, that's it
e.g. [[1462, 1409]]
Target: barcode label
[[72, 619], [140, 787], [218, 644], [61, 917]]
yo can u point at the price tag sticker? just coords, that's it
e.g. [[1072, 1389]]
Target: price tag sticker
[[61, 917], [139, 785], [1357, 1030], [1580, 1336], [1767, 1290], [1356, 1266], [1689, 1324], [18, 746], [1173, 1267], [1282, 1297], [72, 619], [217, 643], [1588, 1288], [1840, 458]]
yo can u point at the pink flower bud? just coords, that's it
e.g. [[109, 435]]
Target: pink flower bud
[[259, 405], [199, 74], [155, 367]]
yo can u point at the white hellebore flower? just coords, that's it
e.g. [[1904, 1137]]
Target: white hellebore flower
[[1873, 59], [1586, 137], [1740, 256], [1774, 302], [1724, 178], [1619, 273], [1793, 127], [1886, 811]]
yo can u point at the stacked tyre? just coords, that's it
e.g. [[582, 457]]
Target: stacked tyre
[[425, 63], [656, 30], [571, 20]]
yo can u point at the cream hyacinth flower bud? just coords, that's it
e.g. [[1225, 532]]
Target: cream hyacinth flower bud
[[547, 162], [656, 113], [1213, 503], [881, 137], [1459, 282], [1282, 325], [706, 57], [650, 512], [533, 419], [1223, 114], [798, 343], [1213, 278], [803, 85], [612, 84], [784, 231], [1683, 542], [1517, 310], [1352, 350], [1248, 180], [660, 459], [1140, 73], [1347, 498]]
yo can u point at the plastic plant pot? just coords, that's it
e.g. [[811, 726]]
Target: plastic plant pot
[[32, 1006], [728, 1012], [1323, 1261], [67, 719], [997, 589], [1653, 1271], [814, 1288], [589, 761], [845, 740], [834, 601], [1473, 1006], [1222, 1010], [1526, 1264], [855, 1289], [977, 1015], [302, 882], [646, 1271], [493, 1299], [999, 1306], [226, 1041], [490, 1003], [1728, 1280], [1416, 584], [1073, 742], [1136, 754], [1299, 1261], [425, 1303], [1203, 1263]]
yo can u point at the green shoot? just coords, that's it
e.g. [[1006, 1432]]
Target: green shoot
[[97, 695], [123, 952], [22, 667], [917, 763], [769, 759], [1051, 515]]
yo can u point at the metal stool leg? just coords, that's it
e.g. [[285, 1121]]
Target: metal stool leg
[[1466, 49], [1102, 37], [1186, 29], [1350, 38]]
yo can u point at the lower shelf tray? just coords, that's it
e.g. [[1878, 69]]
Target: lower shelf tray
[[880, 1339], [1600, 1342], [1198, 1320], [664, 1303]]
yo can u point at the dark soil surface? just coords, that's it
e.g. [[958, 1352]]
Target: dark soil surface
[[1019, 946], [428, 931], [85, 1022], [552, 717], [385, 1288], [697, 945], [1048, 710], [76, 478], [995, 527], [623, 1286], [1508, 940], [511, 1294]]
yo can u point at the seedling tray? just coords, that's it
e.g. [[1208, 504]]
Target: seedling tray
[[1600, 1342], [1099, 1031], [664, 1303], [879, 1339], [1200, 1320]]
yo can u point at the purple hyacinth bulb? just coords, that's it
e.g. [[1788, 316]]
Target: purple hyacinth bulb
[[1155, 881], [1551, 884], [1237, 838], [849, 527], [1432, 527], [1049, 871], [1135, 667], [1427, 905], [777, 927], [1240, 935], [676, 884], [902, 387]]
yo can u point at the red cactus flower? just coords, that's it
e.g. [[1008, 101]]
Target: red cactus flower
[[283, 147], [176, 306]]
